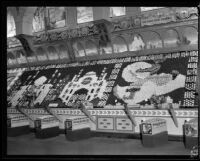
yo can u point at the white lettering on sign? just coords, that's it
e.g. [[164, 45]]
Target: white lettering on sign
[[53, 105]]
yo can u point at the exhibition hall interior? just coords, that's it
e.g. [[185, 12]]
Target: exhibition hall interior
[[102, 80]]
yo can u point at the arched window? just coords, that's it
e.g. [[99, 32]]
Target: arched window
[[190, 35], [11, 60], [90, 48], [49, 18], [63, 53], [21, 58], [11, 29], [41, 54], [56, 17], [106, 49], [52, 53], [38, 19], [84, 14], [152, 40], [136, 43], [117, 11], [78, 49], [119, 45], [171, 38]]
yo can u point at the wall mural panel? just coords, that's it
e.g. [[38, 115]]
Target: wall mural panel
[[57, 16], [38, 19], [145, 81]]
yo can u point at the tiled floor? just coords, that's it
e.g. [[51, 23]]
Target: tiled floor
[[29, 145]]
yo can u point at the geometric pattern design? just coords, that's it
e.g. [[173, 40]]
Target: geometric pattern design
[[106, 112]]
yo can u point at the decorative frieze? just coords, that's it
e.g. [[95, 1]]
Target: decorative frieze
[[98, 112]]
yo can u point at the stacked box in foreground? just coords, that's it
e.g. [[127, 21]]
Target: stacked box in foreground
[[46, 127], [17, 125], [77, 128], [154, 132], [191, 133]]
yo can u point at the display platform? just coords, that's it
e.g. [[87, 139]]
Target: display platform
[[46, 127], [77, 128], [17, 125], [154, 132]]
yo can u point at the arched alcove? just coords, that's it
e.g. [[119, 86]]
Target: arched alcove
[[136, 42], [63, 52], [41, 54], [90, 48], [152, 40], [11, 59], [52, 53], [21, 57], [78, 49], [190, 35], [119, 45], [106, 49], [171, 38]]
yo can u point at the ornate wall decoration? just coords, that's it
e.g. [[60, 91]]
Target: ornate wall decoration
[[168, 78], [67, 34], [186, 13]]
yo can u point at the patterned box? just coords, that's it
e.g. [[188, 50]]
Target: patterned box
[[17, 121], [191, 133], [77, 122], [191, 128], [154, 126], [46, 127], [17, 125], [46, 121]]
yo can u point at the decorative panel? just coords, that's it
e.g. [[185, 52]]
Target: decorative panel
[[105, 123], [141, 82], [124, 124]]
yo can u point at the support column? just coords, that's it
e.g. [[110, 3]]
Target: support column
[[133, 11], [101, 13], [71, 17]]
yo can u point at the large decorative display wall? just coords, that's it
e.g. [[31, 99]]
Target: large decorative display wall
[[145, 83], [144, 65]]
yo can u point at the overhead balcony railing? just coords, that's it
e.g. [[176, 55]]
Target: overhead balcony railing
[[124, 23]]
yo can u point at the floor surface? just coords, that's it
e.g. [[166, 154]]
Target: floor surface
[[29, 145]]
